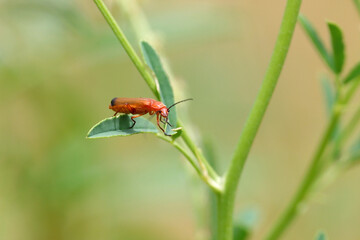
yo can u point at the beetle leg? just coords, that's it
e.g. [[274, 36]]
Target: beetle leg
[[165, 121], [158, 123], [134, 122], [115, 114], [162, 120]]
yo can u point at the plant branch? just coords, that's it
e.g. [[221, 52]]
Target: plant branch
[[141, 67], [226, 201]]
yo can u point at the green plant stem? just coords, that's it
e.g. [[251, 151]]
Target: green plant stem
[[141, 67], [227, 198], [295, 205]]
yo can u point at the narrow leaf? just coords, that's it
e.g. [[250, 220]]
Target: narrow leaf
[[166, 92], [320, 47], [120, 126], [337, 46], [354, 72]]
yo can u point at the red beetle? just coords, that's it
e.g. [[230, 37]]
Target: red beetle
[[142, 106]]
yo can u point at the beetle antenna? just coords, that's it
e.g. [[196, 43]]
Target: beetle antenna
[[179, 102]]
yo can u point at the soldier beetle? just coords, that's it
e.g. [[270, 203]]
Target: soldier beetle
[[142, 106]]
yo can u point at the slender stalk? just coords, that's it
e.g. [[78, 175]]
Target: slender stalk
[[226, 200], [141, 67], [295, 205]]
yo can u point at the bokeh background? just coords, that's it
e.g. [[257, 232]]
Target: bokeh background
[[60, 65]]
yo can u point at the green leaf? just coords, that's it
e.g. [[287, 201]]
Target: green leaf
[[354, 72], [337, 46], [120, 126], [166, 92], [309, 29], [321, 236]]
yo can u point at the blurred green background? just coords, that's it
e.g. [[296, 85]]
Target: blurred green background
[[60, 65]]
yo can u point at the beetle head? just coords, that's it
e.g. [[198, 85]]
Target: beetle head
[[113, 101], [164, 112]]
